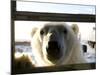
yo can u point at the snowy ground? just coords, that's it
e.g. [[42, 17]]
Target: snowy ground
[[90, 55]]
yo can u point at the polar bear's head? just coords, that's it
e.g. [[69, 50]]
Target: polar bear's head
[[53, 42]]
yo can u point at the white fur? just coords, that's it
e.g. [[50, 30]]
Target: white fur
[[75, 55]]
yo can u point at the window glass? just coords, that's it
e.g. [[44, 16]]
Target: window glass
[[86, 36], [55, 8]]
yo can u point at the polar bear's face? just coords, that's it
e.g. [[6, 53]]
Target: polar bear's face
[[53, 39], [53, 42]]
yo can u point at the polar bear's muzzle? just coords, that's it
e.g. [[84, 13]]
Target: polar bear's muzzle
[[53, 51]]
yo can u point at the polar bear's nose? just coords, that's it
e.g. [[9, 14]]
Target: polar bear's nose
[[53, 50]]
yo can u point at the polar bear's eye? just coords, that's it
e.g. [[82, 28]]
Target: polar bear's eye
[[41, 32], [65, 31]]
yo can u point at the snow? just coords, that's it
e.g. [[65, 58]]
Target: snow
[[90, 55]]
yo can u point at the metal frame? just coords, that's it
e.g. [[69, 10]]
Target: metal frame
[[31, 16], [38, 16]]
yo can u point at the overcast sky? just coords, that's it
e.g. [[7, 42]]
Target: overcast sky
[[23, 29]]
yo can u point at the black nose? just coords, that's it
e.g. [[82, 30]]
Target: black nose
[[53, 50]]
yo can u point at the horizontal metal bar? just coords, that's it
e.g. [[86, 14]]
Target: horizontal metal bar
[[72, 67], [38, 16]]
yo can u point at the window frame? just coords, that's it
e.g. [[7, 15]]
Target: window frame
[[38, 16]]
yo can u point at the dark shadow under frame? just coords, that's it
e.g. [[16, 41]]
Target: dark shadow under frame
[[38, 16]]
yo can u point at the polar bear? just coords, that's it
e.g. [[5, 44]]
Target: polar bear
[[56, 44]]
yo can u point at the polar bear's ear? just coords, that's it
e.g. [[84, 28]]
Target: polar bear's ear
[[33, 31], [75, 28]]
